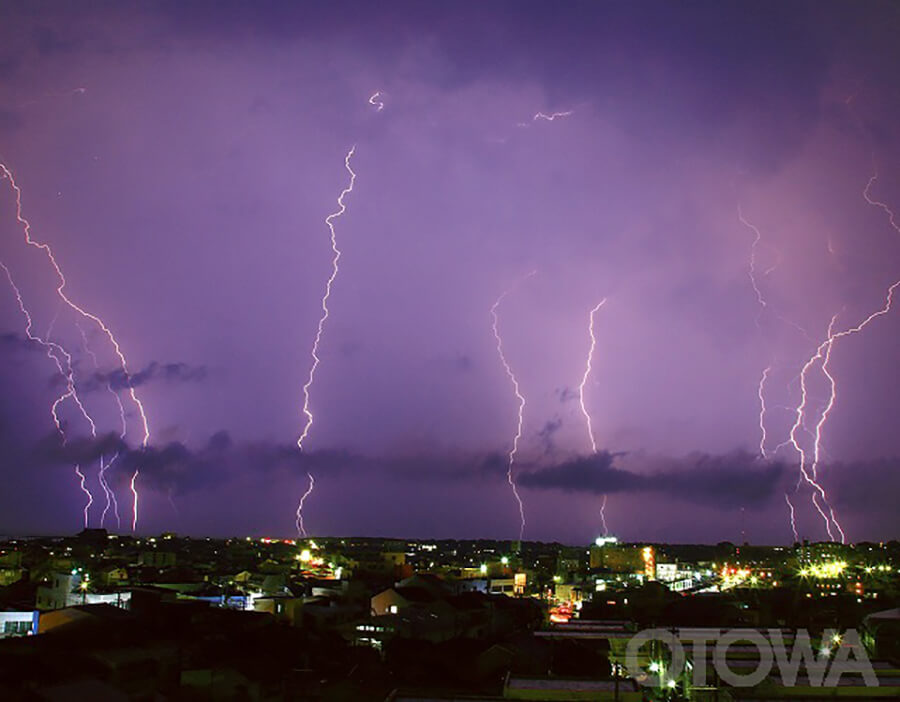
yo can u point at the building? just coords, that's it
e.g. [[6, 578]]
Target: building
[[18, 623], [558, 688], [617, 558], [55, 593], [157, 559]]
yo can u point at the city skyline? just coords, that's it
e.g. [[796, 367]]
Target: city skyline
[[645, 232]]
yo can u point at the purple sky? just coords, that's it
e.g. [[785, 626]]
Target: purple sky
[[180, 159]]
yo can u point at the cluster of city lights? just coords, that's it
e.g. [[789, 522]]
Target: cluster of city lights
[[827, 570]]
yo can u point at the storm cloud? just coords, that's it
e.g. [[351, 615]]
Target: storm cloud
[[736, 479], [165, 372]]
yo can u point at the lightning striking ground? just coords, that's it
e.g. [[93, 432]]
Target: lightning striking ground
[[60, 291], [62, 359], [511, 456], [111, 501], [603, 516], [823, 356], [800, 411], [790, 505], [336, 257], [587, 415], [801, 452], [301, 528]]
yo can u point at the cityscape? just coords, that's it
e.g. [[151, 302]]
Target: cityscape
[[475, 350], [102, 616]]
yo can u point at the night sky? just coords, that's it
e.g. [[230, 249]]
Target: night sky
[[180, 160]]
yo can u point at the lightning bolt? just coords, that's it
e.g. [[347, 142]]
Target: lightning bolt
[[823, 354], [800, 410], [761, 301], [801, 452], [603, 516], [375, 102], [876, 203], [329, 222], [511, 456], [587, 374], [60, 291], [587, 415], [62, 359], [87, 492], [762, 411], [751, 272], [817, 434], [545, 117], [111, 501], [754, 279], [301, 529], [134, 497], [793, 521], [551, 117]]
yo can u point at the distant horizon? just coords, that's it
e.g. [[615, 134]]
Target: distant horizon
[[282, 539]]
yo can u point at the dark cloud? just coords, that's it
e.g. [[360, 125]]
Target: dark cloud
[[547, 432], [154, 371], [734, 479], [220, 441], [463, 362], [176, 469], [567, 394], [50, 40], [172, 468], [868, 485], [54, 450], [719, 482], [12, 340]]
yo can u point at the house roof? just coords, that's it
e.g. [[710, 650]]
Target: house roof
[[415, 594]]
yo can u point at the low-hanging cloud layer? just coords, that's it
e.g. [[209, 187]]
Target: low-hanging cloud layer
[[722, 175], [737, 481]]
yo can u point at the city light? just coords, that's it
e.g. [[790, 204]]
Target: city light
[[824, 571]]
